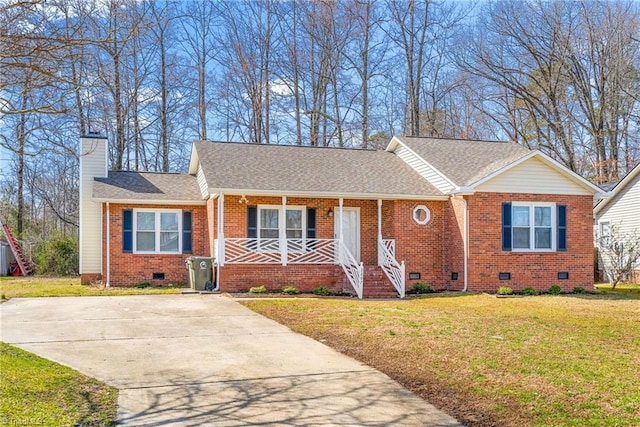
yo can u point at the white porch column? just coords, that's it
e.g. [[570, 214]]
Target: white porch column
[[379, 230], [283, 232], [340, 234], [221, 229]]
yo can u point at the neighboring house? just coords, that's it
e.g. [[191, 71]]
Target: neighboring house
[[456, 214], [621, 210]]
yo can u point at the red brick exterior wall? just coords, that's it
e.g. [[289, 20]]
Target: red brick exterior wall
[[453, 243], [128, 269], [435, 250], [419, 246], [528, 269]]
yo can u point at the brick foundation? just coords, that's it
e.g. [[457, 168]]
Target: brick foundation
[[305, 278]]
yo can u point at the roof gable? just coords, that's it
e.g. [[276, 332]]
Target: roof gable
[[487, 166], [536, 174], [462, 162]]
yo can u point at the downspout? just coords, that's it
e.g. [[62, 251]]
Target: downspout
[[466, 243], [108, 278], [215, 250]]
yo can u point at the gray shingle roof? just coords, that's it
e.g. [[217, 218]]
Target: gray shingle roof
[[463, 161], [286, 168], [147, 186]]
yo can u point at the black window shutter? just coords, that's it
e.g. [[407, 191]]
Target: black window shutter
[[252, 226], [187, 243], [506, 226], [252, 222], [311, 223], [562, 227], [127, 230]]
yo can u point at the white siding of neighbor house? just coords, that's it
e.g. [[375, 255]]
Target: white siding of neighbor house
[[535, 177], [202, 183], [623, 211], [4, 258], [93, 163], [426, 171]]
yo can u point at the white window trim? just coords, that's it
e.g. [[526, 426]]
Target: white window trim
[[302, 209], [427, 214], [601, 235], [157, 213], [532, 233]]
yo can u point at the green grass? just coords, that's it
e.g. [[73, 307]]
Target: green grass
[[623, 288], [36, 391], [540, 361], [36, 286]]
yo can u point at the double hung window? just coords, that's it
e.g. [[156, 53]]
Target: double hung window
[[157, 231], [536, 227], [268, 227]]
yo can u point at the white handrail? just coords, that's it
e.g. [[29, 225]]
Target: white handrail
[[390, 266], [353, 270]]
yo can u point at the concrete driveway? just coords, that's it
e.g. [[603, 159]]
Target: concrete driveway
[[194, 360]]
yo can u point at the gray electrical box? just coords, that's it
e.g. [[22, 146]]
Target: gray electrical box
[[201, 273]]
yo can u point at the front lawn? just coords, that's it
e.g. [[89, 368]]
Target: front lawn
[[37, 286], [533, 361], [623, 288], [36, 391]]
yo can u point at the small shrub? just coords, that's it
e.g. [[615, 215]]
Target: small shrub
[[579, 290], [290, 290], [530, 291], [421, 288], [555, 290], [258, 289], [321, 290], [505, 290], [57, 255], [3, 296], [143, 285]]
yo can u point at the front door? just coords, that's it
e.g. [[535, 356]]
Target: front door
[[350, 229]]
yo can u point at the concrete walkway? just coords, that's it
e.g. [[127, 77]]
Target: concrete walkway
[[194, 360]]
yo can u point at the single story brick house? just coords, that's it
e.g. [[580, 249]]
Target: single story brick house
[[455, 214]]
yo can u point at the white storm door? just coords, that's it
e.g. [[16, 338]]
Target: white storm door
[[350, 229]]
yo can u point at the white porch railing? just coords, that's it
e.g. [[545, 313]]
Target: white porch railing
[[267, 251], [252, 251], [390, 266], [298, 251], [311, 251], [353, 269]]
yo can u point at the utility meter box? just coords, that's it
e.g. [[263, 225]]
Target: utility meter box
[[201, 273]]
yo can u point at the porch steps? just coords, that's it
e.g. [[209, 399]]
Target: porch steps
[[376, 283]]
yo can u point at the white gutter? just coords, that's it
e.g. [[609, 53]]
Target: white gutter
[[108, 278], [325, 195], [150, 201]]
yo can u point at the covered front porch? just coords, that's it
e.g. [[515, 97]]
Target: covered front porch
[[293, 236]]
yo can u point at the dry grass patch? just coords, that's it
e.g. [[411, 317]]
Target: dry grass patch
[[38, 286], [487, 361]]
